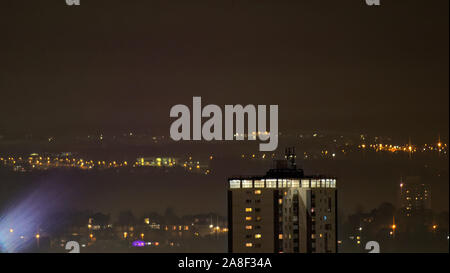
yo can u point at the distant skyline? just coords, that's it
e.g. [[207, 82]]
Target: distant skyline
[[333, 65]]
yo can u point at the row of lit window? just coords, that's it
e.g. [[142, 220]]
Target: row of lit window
[[282, 183], [257, 236]]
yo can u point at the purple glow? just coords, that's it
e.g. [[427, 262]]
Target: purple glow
[[138, 243]]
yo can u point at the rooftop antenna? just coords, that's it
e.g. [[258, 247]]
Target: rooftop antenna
[[290, 157]]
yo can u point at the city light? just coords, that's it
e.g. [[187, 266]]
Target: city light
[[138, 243]]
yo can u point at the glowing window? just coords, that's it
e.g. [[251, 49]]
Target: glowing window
[[247, 184], [313, 183], [333, 183], [257, 236], [282, 183], [305, 183], [295, 183], [249, 227], [323, 183], [248, 218], [235, 184], [280, 236], [248, 245], [271, 183], [248, 210], [289, 183], [259, 183], [257, 191]]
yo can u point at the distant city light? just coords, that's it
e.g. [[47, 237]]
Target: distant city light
[[138, 243]]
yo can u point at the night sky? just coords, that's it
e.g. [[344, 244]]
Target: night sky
[[121, 65]]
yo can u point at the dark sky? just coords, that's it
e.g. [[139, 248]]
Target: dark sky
[[121, 65]]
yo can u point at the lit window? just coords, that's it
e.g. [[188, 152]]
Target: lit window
[[280, 201], [249, 227], [257, 236], [248, 218], [305, 183], [323, 183], [282, 183], [248, 209], [289, 183], [258, 192], [295, 183], [333, 183], [247, 183], [280, 236], [313, 183], [271, 183], [248, 245], [235, 184], [259, 183]]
